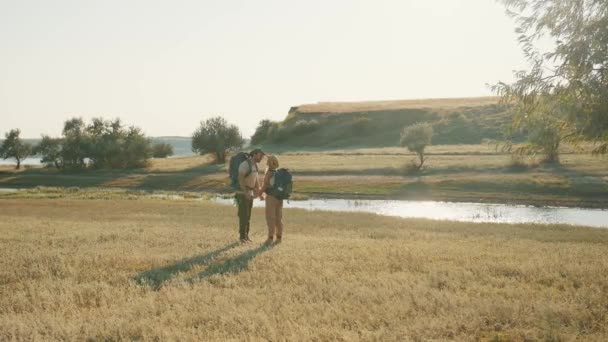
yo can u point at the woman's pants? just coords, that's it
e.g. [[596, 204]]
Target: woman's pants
[[274, 216]]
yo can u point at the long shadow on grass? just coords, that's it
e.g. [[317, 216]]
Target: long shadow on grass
[[233, 265], [149, 179], [385, 171], [30, 178], [158, 276]]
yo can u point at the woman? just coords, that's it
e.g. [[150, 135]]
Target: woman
[[274, 206]]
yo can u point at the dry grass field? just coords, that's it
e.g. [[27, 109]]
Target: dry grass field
[[350, 107], [164, 270]]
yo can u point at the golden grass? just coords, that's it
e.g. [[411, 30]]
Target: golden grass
[[441, 160], [179, 163], [125, 182], [433, 149], [364, 106], [387, 164], [72, 270], [454, 149]]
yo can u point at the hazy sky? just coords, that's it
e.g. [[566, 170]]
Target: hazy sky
[[166, 65]]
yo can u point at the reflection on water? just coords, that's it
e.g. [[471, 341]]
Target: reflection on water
[[466, 212], [26, 161]]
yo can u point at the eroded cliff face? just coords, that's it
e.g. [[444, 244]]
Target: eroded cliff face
[[293, 110], [379, 123]]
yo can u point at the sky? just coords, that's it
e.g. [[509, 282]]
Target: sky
[[165, 66]]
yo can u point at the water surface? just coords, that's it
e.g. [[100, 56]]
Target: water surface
[[464, 212], [26, 161]]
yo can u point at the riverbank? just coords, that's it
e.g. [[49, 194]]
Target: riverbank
[[470, 173], [136, 194], [150, 269], [436, 210]]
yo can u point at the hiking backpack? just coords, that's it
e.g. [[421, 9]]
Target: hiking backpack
[[283, 183], [233, 170]]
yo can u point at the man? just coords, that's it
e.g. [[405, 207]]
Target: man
[[249, 190]]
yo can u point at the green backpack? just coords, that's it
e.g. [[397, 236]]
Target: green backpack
[[233, 170], [283, 184]]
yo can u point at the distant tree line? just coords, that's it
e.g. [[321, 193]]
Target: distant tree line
[[102, 144]]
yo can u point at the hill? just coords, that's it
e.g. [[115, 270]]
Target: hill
[[379, 123], [350, 107]]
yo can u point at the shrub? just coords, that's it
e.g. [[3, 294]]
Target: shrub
[[162, 150], [457, 128], [302, 127], [519, 164], [362, 126], [102, 144], [216, 136], [261, 134], [277, 133], [416, 137]]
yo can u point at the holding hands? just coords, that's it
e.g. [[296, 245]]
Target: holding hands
[[260, 194]]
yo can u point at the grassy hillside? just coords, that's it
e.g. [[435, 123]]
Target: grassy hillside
[[161, 270], [379, 123]]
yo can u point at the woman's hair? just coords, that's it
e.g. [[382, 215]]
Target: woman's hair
[[273, 162]]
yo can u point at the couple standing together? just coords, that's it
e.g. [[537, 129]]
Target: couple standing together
[[250, 189]]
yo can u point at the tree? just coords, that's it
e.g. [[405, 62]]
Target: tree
[[457, 127], [135, 149], [162, 150], [14, 147], [544, 131], [568, 84], [111, 145], [216, 136], [50, 151], [545, 136], [106, 144], [75, 144], [277, 133], [106, 140], [261, 132], [303, 127], [416, 137]]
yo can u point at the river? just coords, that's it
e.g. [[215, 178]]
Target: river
[[452, 211]]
